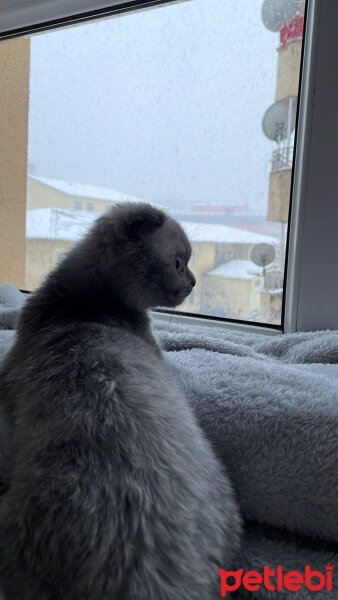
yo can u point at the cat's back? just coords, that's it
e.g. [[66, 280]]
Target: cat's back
[[73, 354], [106, 394], [112, 463], [93, 383]]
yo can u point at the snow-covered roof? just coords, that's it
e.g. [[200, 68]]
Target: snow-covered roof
[[83, 190], [273, 292], [66, 224], [237, 269], [58, 223], [200, 232]]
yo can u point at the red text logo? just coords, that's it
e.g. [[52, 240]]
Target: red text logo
[[276, 580]]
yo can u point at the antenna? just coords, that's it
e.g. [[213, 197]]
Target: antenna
[[276, 13], [280, 119], [263, 255]]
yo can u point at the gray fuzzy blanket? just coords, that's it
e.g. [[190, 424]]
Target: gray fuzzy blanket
[[269, 405]]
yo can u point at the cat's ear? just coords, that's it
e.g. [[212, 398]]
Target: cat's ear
[[137, 220]]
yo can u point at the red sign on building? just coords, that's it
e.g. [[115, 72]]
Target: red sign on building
[[292, 31]]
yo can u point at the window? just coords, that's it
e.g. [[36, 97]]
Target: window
[[190, 131], [191, 298]]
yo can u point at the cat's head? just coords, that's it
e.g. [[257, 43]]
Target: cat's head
[[150, 255]]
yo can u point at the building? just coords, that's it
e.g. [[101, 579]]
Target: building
[[51, 232], [223, 268], [233, 290], [58, 214], [220, 259], [43, 192], [287, 20]]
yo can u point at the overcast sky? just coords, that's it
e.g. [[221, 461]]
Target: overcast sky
[[164, 104]]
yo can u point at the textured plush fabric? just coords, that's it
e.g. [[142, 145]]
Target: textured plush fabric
[[272, 418], [270, 407], [11, 299], [264, 545]]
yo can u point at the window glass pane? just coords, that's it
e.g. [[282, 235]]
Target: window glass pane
[[189, 106]]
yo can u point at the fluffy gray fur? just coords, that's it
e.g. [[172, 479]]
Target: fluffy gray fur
[[113, 491]]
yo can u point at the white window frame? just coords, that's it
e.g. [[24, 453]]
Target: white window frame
[[311, 291], [311, 301], [20, 17]]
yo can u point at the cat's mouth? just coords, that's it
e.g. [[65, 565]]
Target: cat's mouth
[[176, 297], [181, 295]]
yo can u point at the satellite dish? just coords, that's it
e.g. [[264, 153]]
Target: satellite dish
[[275, 120], [263, 255], [276, 13]]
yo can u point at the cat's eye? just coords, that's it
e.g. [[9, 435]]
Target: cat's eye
[[178, 263]]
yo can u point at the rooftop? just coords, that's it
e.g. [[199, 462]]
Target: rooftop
[[200, 232], [58, 223], [66, 224], [71, 188], [237, 269]]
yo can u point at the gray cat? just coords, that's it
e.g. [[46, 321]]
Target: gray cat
[[113, 492]]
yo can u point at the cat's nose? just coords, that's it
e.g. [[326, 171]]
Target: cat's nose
[[192, 279]]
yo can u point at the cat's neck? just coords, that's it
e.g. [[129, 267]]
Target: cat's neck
[[54, 303]]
